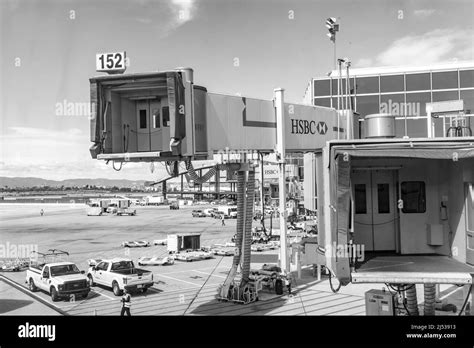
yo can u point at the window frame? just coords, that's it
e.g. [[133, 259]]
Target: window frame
[[403, 195]]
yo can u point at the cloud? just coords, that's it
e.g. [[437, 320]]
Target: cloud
[[424, 13], [183, 11], [436, 46]]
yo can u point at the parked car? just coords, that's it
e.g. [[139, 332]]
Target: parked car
[[135, 244], [58, 279], [223, 251], [198, 213], [160, 242], [126, 211], [155, 261], [119, 274], [94, 211], [186, 256], [112, 208]]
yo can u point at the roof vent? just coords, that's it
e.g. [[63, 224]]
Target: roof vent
[[380, 126]]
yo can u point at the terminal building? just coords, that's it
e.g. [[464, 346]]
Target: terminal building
[[400, 91]]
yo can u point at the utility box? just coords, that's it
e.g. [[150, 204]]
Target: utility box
[[183, 241], [435, 234], [379, 302]]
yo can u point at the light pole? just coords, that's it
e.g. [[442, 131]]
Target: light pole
[[333, 27]]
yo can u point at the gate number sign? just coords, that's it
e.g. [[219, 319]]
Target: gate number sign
[[111, 62]]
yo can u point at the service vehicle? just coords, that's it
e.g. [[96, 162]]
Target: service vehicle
[[135, 244], [210, 212], [94, 209], [61, 280], [223, 251], [14, 265], [186, 256], [174, 206], [112, 208], [160, 242], [155, 261], [230, 212], [126, 211], [119, 274], [198, 213], [270, 277]]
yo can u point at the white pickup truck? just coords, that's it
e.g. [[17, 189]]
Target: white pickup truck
[[59, 279], [119, 274]]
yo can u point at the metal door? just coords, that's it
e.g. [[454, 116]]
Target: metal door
[[155, 126], [143, 126], [375, 209], [470, 224]]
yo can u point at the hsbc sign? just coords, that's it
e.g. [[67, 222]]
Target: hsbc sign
[[272, 171], [308, 127], [311, 127]]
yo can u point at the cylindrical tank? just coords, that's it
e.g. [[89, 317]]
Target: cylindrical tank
[[380, 126]]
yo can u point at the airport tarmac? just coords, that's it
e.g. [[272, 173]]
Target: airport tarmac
[[185, 288]]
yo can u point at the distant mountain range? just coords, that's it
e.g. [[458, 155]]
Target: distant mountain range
[[13, 182]]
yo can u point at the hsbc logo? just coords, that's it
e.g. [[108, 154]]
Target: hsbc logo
[[308, 127]]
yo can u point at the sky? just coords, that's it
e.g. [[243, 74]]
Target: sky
[[48, 47]]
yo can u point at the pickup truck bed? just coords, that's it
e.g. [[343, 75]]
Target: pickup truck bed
[[131, 271]]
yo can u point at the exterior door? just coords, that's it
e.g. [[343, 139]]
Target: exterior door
[[44, 280], [143, 126], [470, 224], [156, 126], [375, 209]]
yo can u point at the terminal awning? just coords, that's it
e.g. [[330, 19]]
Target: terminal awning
[[446, 150]]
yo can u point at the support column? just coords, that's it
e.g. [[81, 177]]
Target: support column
[[217, 185], [163, 189], [182, 185], [262, 195], [280, 113]]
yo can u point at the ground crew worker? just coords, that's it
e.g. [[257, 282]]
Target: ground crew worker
[[126, 303], [288, 282], [223, 222], [42, 212]]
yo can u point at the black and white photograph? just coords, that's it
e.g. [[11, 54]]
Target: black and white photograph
[[275, 171]]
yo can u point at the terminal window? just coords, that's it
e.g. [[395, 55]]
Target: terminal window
[[342, 86], [166, 116], [466, 78], [418, 82], [383, 194], [322, 87], [367, 85], [360, 198], [413, 197], [142, 119], [392, 83], [445, 79]]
